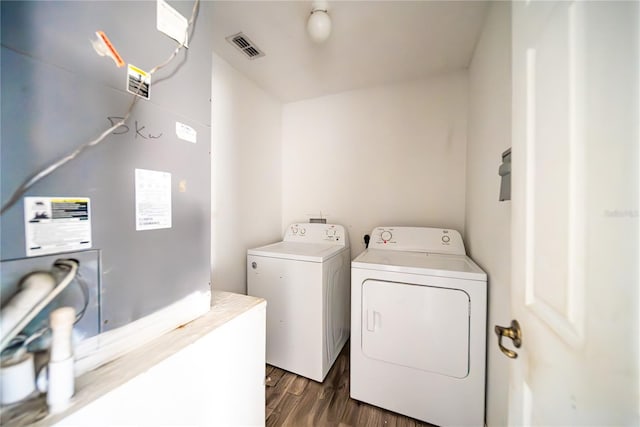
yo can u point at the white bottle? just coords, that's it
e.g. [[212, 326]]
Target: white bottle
[[61, 378]]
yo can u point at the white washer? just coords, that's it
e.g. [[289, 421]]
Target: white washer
[[305, 280], [418, 326]]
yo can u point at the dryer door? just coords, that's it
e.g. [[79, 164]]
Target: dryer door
[[417, 326]]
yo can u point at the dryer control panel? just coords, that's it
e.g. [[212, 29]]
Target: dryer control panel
[[317, 233], [418, 239]]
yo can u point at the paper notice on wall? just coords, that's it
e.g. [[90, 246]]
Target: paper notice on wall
[[186, 133], [171, 22], [153, 199], [56, 224]]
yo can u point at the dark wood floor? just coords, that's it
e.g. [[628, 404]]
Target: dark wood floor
[[297, 401]]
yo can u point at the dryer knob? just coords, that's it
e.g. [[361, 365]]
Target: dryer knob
[[386, 235]]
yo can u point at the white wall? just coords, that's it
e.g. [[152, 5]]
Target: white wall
[[246, 173], [488, 221], [390, 155]]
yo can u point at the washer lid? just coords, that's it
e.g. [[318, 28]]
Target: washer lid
[[424, 263], [312, 252]]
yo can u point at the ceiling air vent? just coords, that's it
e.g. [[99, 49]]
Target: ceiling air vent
[[246, 46]]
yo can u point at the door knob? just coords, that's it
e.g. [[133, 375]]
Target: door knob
[[512, 332]]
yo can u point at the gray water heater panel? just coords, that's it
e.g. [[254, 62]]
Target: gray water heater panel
[[57, 93]]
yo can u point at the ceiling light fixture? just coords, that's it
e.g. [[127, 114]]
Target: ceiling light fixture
[[319, 23]]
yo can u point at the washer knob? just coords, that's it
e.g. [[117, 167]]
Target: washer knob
[[446, 239], [386, 235]]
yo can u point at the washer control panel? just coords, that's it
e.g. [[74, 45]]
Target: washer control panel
[[418, 239], [317, 233]]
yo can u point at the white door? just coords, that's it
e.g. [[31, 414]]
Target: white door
[[575, 213]]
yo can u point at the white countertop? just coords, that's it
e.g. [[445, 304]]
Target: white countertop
[[96, 383]]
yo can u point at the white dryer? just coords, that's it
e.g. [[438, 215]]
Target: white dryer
[[305, 280], [418, 326]]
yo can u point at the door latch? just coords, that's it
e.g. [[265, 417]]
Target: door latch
[[512, 332]]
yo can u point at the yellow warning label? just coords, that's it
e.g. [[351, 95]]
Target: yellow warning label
[[138, 81], [69, 200], [137, 70]]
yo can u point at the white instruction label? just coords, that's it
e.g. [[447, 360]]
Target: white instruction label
[[138, 81], [186, 133], [171, 22], [56, 224], [153, 200]]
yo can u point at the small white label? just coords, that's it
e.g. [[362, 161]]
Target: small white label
[[186, 133], [56, 224], [153, 199], [172, 23], [138, 82]]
